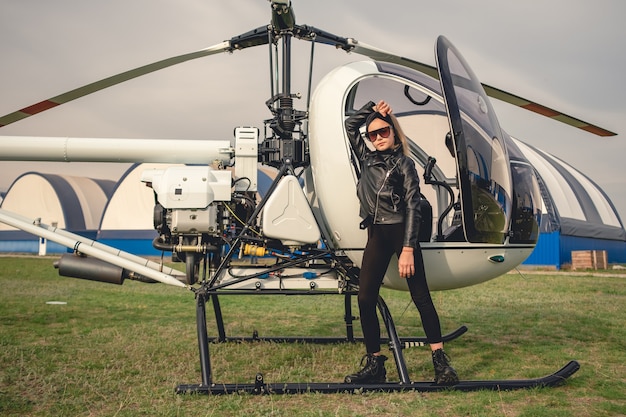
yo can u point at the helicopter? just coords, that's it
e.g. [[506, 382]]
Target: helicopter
[[483, 197]]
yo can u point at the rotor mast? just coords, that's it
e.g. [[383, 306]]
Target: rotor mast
[[285, 141]]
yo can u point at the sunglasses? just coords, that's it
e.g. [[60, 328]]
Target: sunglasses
[[384, 132]]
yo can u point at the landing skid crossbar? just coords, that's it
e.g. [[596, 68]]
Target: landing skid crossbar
[[406, 342]]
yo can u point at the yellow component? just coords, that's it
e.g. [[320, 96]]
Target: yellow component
[[254, 250]]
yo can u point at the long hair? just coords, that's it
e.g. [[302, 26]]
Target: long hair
[[400, 137]]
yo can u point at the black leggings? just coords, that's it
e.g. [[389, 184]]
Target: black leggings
[[383, 240]]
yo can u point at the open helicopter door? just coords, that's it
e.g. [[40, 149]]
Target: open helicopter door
[[483, 169]]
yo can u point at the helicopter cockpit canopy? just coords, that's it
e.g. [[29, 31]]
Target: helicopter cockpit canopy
[[458, 128], [483, 164]]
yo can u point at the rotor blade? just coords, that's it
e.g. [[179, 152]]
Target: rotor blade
[[545, 111], [380, 55], [110, 81]]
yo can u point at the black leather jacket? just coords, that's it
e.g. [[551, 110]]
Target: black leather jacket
[[388, 188]]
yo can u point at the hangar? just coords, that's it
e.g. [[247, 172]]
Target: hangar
[[577, 214], [73, 203]]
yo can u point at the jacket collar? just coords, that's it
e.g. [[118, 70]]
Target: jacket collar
[[388, 155]]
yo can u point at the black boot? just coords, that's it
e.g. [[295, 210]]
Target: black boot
[[444, 373], [373, 372]]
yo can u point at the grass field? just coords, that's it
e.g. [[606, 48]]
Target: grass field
[[121, 350]]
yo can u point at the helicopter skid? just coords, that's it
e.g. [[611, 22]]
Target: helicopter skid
[[260, 387]]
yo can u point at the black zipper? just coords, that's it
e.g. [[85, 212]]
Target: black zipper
[[381, 188]]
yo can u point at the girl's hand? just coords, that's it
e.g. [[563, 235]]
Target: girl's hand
[[406, 266], [383, 108]]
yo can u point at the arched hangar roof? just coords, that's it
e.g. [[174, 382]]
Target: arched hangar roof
[[73, 203], [573, 203]]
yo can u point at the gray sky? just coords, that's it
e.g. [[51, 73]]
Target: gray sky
[[565, 54]]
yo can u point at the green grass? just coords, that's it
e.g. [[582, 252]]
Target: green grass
[[121, 350]]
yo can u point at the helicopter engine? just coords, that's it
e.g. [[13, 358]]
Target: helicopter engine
[[189, 211], [196, 205], [188, 198]]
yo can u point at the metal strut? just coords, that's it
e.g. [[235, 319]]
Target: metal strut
[[203, 341], [394, 341]]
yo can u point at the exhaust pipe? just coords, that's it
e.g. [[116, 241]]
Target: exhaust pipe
[[94, 269]]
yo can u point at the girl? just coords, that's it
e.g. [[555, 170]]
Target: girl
[[389, 197]]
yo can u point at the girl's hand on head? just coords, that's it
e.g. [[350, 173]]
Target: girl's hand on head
[[383, 108]]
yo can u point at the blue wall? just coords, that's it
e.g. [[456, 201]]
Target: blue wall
[[14, 241], [547, 251], [137, 242], [616, 250], [556, 249]]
